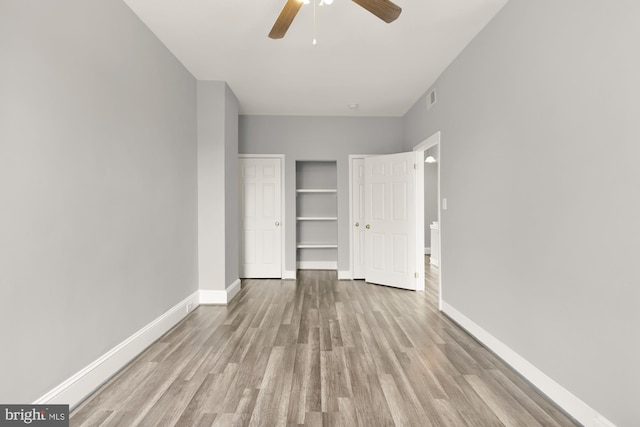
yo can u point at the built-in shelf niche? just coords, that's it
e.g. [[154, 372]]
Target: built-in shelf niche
[[316, 215]]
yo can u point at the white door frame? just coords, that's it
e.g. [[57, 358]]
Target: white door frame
[[351, 239], [431, 141], [283, 222]]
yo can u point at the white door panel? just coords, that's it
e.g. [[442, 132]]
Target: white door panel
[[260, 198], [390, 217]]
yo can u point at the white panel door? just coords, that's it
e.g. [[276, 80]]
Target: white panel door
[[357, 212], [260, 199], [390, 216]]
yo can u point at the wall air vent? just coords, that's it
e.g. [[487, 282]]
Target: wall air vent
[[431, 98]]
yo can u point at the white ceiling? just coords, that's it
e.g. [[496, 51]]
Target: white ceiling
[[358, 59]]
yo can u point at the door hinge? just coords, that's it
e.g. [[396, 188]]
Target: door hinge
[[414, 166], [416, 275]]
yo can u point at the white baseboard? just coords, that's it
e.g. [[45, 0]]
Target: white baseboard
[[317, 265], [571, 404], [289, 275], [75, 389], [344, 275], [78, 387], [233, 290], [208, 297], [427, 251]]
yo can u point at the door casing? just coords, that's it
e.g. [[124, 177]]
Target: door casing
[[431, 141]]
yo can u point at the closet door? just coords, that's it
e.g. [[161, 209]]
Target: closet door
[[260, 199]]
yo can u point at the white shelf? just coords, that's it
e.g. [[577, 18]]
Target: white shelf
[[317, 218], [316, 246], [316, 190]]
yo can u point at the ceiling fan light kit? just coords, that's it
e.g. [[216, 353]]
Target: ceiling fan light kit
[[383, 9]]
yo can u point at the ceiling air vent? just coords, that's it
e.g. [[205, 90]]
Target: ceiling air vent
[[431, 98]]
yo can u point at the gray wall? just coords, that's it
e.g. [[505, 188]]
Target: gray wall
[[539, 120], [98, 216], [319, 138], [232, 189], [217, 185]]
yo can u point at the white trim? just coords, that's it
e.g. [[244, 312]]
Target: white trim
[[283, 232], [432, 141], [233, 290], [571, 404], [345, 275], [283, 210], [427, 251], [289, 275], [428, 143], [419, 283], [601, 421], [79, 386], [317, 265], [211, 297], [220, 297]]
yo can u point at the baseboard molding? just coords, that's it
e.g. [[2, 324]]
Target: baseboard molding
[[78, 387], [289, 275], [234, 289], [344, 275], [210, 297], [317, 265], [427, 251], [571, 404]]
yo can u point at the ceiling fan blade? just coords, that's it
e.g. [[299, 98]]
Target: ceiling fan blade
[[383, 9], [289, 11]]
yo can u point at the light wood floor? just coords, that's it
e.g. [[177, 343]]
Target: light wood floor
[[318, 351]]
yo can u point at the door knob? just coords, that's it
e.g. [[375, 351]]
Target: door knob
[[368, 226], [277, 224], [357, 224]]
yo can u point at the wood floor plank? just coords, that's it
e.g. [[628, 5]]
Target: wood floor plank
[[171, 404], [371, 406], [448, 414], [296, 411], [317, 351], [117, 419], [497, 378], [94, 419], [313, 400], [505, 408], [403, 411], [469, 404]]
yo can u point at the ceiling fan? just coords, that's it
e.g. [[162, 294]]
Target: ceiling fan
[[383, 9]]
